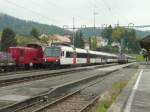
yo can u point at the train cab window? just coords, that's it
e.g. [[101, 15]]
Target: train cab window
[[52, 51]]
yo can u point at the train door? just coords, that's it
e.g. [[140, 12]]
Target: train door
[[88, 58], [74, 58]]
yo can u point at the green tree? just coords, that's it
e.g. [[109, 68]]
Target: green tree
[[90, 43], [78, 40], [35, 33], [94, 43], [118, 33], [8, 39], [107, 33], [44, 40], [127, 39]]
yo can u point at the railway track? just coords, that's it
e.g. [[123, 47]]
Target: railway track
[[45, 101], [28, 76], [31, 104], [20, 72], [55, 93], [73, 102], [78, 101]]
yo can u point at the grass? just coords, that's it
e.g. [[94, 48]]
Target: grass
[[140, 58], [111, 96], [0, 34]]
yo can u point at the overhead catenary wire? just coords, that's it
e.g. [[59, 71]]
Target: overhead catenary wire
[[114, 12], [30, 10]]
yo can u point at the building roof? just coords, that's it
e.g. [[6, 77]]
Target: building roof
[[145, 42], [59, 38]]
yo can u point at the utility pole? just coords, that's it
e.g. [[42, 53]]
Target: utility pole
[[94, 15], [73, 32]]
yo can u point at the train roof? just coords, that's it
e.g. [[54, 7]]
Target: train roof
[[78, 50], [130, 56], [66, 48], [21, 47], [126, 55]]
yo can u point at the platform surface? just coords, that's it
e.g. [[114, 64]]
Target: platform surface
[[139, 100]]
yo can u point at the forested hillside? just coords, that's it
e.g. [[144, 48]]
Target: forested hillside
[[24, 27]]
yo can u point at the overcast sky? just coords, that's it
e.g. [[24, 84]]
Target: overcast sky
[[61, 12]]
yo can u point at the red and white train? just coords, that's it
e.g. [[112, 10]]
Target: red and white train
[[68, 55], [36, 56]]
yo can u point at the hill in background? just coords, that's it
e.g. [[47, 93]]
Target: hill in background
[[142, 34], [23, 27], [89, 32]]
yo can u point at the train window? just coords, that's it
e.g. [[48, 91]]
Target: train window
[[69, 54], [92, 55], [82, 55], [52, 52]]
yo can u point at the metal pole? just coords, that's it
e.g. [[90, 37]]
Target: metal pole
[[73, 32], [94, 19]]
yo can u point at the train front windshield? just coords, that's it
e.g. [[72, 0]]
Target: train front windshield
[[52, 52]]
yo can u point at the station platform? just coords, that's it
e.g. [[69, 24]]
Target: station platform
[[139, 99], [136, 96]]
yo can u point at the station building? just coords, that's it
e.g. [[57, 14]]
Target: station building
[[145, 43]]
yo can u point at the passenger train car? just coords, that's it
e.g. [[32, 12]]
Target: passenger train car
[[68, 55]]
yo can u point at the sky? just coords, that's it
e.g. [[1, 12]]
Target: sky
[[61, 12]]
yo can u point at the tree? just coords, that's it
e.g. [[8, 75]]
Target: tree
[[107, 33], [118, 33], [94, 43], [127, 39], [35, 33], [8, 39], [78, 40], [90, 43], [44, 40]]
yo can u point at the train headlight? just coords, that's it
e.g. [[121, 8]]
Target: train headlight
[[45, 59], [56, 60]]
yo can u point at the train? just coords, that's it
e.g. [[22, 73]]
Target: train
[[36, 56], [27, 56], [68, 55], [124, 58]]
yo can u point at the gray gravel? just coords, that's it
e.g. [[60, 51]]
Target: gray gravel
[[77, 102]]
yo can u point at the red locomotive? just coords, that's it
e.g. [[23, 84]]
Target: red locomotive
[[30, 55]]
